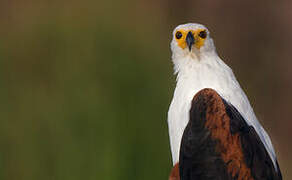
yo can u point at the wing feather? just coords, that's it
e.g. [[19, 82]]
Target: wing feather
[[217, 143]]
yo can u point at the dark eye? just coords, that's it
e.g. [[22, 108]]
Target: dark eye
[[203, 34], [178, 35]]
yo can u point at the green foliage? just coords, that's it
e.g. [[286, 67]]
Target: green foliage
[[81, 101]]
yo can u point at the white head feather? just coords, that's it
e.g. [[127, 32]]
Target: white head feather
[[196, 54]]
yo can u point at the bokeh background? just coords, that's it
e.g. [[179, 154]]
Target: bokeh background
[[85, 85]]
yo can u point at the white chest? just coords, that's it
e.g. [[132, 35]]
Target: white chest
[[221, 80]]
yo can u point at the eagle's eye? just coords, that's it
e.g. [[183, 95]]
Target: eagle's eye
[[178, 35], [203, 34]]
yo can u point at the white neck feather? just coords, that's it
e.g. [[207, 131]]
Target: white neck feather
[[195, 73]]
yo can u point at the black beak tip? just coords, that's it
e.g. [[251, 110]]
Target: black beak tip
[[190, 48]]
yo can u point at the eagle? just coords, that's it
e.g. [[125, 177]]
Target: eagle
[[213, 130]]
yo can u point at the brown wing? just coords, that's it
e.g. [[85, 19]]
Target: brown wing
[[218, 144]]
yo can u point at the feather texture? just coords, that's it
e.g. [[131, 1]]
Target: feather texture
[[202, 68]]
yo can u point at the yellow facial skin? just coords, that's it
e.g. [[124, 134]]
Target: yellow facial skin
[[199, 42]]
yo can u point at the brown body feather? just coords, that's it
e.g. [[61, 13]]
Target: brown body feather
[[218, 144]]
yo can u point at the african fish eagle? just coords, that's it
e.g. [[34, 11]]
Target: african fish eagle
[[214, 133]]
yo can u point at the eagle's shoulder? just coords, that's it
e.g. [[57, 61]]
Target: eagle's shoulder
[[217, 143]]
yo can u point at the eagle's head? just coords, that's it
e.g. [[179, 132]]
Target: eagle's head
[[191, 40], [191, 44]]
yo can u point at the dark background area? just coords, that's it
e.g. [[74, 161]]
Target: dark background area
[[85, 85]]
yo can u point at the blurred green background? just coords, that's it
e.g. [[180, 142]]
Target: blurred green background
[[85, 85]]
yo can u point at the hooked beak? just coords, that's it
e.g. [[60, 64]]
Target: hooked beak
[[190, 40]]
